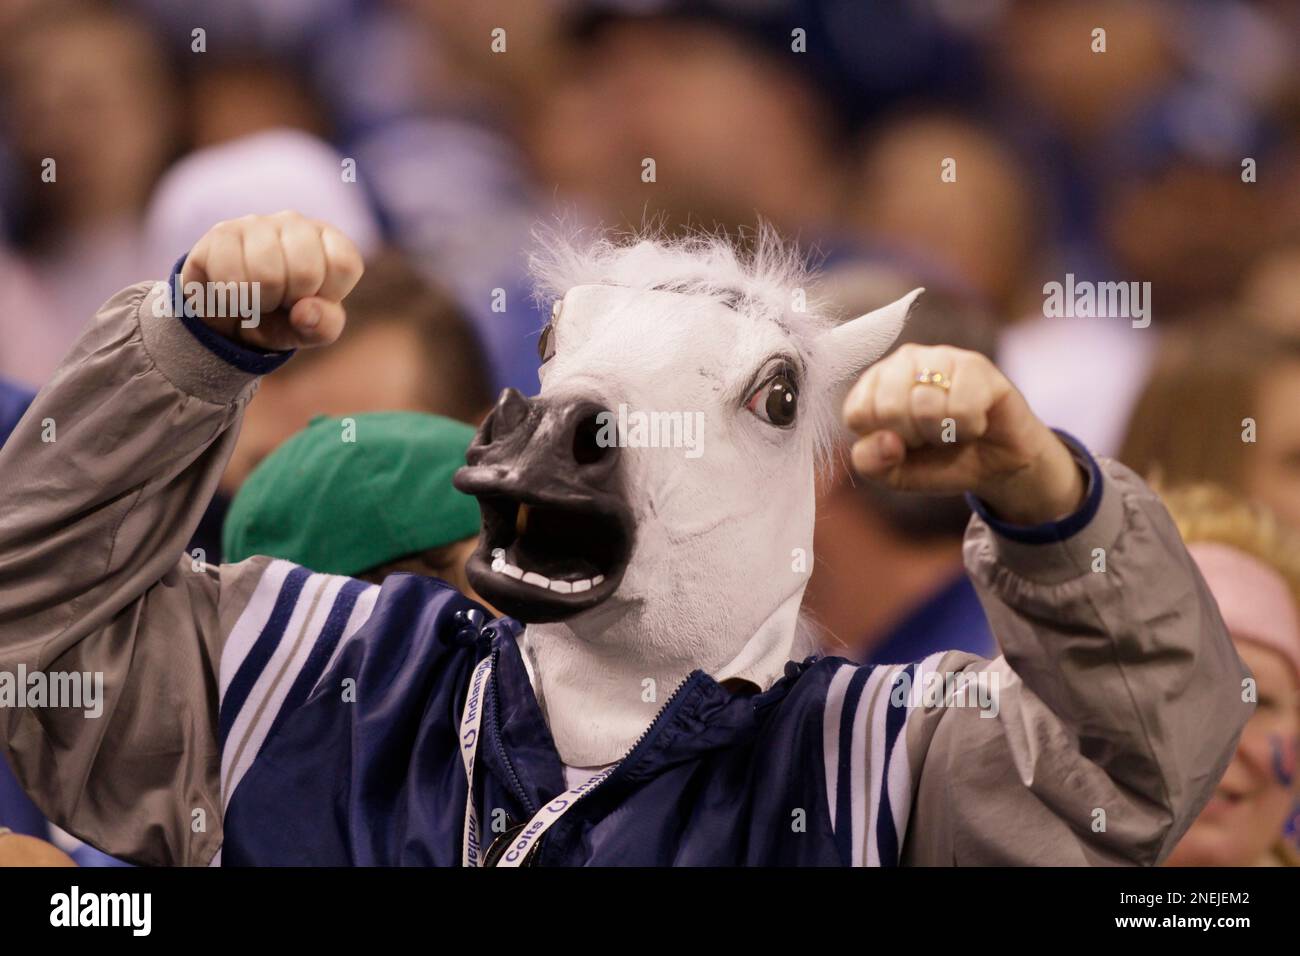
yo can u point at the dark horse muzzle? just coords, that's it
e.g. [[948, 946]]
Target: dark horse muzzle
[[557, 530]]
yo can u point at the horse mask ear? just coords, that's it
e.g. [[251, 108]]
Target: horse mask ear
[[853, 345]]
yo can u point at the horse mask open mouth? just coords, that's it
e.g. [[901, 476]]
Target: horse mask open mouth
[[557, 531]]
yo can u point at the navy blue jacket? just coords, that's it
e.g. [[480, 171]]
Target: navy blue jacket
[[371, 773]]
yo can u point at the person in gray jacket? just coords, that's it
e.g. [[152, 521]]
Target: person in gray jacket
[[260, 713]]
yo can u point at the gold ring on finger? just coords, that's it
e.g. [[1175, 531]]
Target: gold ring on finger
[[929, 376]]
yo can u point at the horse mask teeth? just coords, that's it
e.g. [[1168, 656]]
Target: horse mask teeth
[[557, 531]]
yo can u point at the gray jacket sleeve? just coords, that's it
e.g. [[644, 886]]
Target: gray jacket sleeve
[[104, 480], [1119, 699]]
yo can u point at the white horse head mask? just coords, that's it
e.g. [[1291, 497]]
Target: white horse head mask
[[650, 512]]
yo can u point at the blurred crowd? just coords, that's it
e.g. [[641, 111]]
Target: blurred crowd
[[981, 148]]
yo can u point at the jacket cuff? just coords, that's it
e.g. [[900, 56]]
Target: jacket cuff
[[1056, 551], [182, 358], [250, 360]]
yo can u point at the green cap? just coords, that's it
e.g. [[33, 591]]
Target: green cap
[[346, 495]]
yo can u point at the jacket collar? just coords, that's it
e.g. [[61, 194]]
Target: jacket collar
[[700, 716]]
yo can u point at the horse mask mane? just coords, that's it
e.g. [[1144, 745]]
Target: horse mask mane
[[650, 512]]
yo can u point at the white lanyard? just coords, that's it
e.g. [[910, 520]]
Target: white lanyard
[[543, 820], [469, 724]]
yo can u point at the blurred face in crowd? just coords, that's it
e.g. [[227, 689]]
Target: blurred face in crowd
[[978, 226], [1047, 56], [407, 347], [1273, 472], [730, 131], [458, 31], [379, 367], [1191, 231], [1272, 291], [92, 93], [247, 97], [1245, 816]]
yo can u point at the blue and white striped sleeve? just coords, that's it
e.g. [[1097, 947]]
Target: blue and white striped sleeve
[[869, 773], [284, 640]]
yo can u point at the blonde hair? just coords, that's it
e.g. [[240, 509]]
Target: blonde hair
[[1186, 425], [1210, 513]]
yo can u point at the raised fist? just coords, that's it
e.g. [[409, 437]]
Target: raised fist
[[302, 268], [943, 420]]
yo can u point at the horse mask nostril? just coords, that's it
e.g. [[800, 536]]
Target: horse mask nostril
[[511, 411], [588, 447], [506, 419]]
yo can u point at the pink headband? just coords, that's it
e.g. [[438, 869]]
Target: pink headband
[[1254, 599]]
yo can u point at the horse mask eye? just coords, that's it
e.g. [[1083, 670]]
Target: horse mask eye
[[546, 344], [776, 401]]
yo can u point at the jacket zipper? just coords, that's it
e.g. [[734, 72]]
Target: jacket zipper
[[515, 783], [497, 743], [649, 727], [626, 760], [622, 763]]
